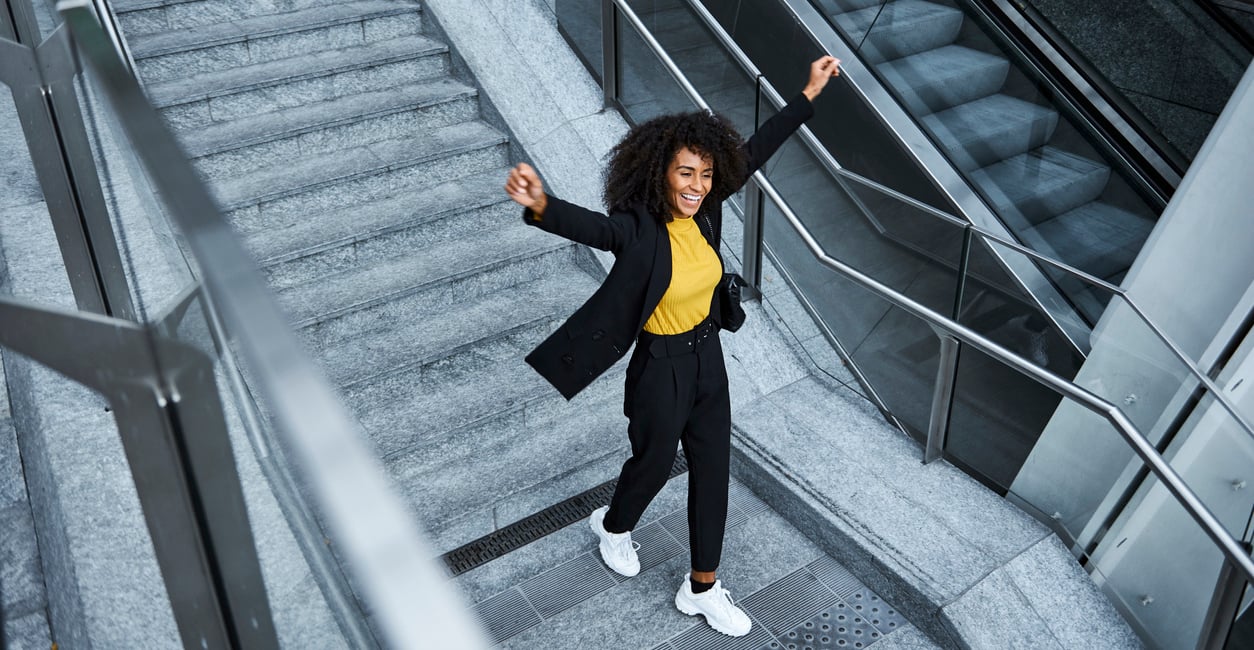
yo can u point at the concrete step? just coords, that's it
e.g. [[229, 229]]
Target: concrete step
[[153, 16], [900, 28], [349, 303], [1041, 184], [238, 92], [1096, 237], [989, 130], [944, 77], [224, 149], [502, 322], [205, 48], [507, 451], [279, 196], [839, 6], [326, 244]]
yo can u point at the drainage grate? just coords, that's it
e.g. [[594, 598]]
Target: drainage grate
[[744, 498], [787, 602], [836, 577], [837, 627], [529, 529], [566, 585], [703, 637], [677, 522], [656, 547], [506, 614]]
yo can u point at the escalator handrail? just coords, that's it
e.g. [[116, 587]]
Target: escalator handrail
[[1233, 550], [985, 236]]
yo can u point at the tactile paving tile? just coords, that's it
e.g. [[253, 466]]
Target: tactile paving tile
[[506, 614], [873, 608], [744, 498], [789, 601], [704, 637], [567, 584], [656, 547], [677, 523], [836, 627], [836, 577]]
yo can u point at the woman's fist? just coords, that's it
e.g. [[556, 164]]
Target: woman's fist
[[821, 71], [525, 188]]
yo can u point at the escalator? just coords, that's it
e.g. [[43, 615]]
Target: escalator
[[1021, 144]]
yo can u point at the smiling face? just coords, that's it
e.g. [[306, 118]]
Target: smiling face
[[688, 179]]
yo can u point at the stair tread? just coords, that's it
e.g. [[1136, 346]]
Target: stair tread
[[231, 80], [1096, 237], [322, 232], [354, 289], [283, 180], [1043, 173], [181, 40], [452, 329], [256, 129], [948, 75]]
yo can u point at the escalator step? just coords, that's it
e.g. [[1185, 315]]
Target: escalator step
[[1038, 185], [900, 28], [992, 129], [1096, 237], [945, 77]]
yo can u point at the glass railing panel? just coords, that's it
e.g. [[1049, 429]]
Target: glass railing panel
[[1182, 101], [580, 22], [1241, 635], [1049, 178], [1216, 457]]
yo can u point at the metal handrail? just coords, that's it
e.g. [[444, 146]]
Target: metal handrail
[[1230, 547], [834, 167], [413, 602]]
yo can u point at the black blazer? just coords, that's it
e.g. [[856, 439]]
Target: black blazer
[[600, 332]]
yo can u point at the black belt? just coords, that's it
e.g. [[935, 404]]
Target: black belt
[[673, 345]]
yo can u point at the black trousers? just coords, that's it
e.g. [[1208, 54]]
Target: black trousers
[[676, 391]]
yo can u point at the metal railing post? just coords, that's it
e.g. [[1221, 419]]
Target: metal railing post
[[752, 257], [41, 76], [1223, 607], [609, 52], [942, 398]]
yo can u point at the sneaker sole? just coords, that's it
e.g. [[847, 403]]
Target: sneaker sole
[[693, 611]]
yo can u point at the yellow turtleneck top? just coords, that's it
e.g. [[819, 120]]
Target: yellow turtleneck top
[[695, 271]]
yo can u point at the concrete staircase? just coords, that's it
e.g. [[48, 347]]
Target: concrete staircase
[[365, 180], [1045, 182]]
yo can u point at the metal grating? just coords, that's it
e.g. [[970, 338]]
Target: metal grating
[[506, 614], [656, 547], [744, 498], [566, 585], [677, 522], [704, 637], [787, 602], [871, 607], [836, 627], [529, 529], [836, 577]]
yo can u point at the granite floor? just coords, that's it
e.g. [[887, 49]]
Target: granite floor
[[556, 593]]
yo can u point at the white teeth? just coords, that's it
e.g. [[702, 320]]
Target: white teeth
[[691, 197]]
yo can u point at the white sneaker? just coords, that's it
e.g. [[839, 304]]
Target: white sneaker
[[716, 606], [617, 549]]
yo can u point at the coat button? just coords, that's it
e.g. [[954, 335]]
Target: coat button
[[568, 359]]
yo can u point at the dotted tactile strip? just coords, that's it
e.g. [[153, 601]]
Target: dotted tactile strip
[[836, 627], [870, 606]]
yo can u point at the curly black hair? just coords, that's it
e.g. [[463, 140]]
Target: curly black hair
[[638, 166]]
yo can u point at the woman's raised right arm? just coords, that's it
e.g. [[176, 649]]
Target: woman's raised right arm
[[565, 219]]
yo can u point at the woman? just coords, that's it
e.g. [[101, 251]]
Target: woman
[[664, 190]]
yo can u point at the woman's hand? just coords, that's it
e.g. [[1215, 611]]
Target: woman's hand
[[525, 188], [822, 70]]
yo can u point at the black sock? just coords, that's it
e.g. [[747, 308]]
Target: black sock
[[699, 587]]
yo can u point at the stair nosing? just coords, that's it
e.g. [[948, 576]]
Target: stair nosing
[[380, 167], [412, 288], [142, 54], [425, 47], [461, 93]]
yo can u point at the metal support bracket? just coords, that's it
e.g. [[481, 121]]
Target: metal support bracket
[[609, 53], [752, 255], [174, 434], [942, 398]]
